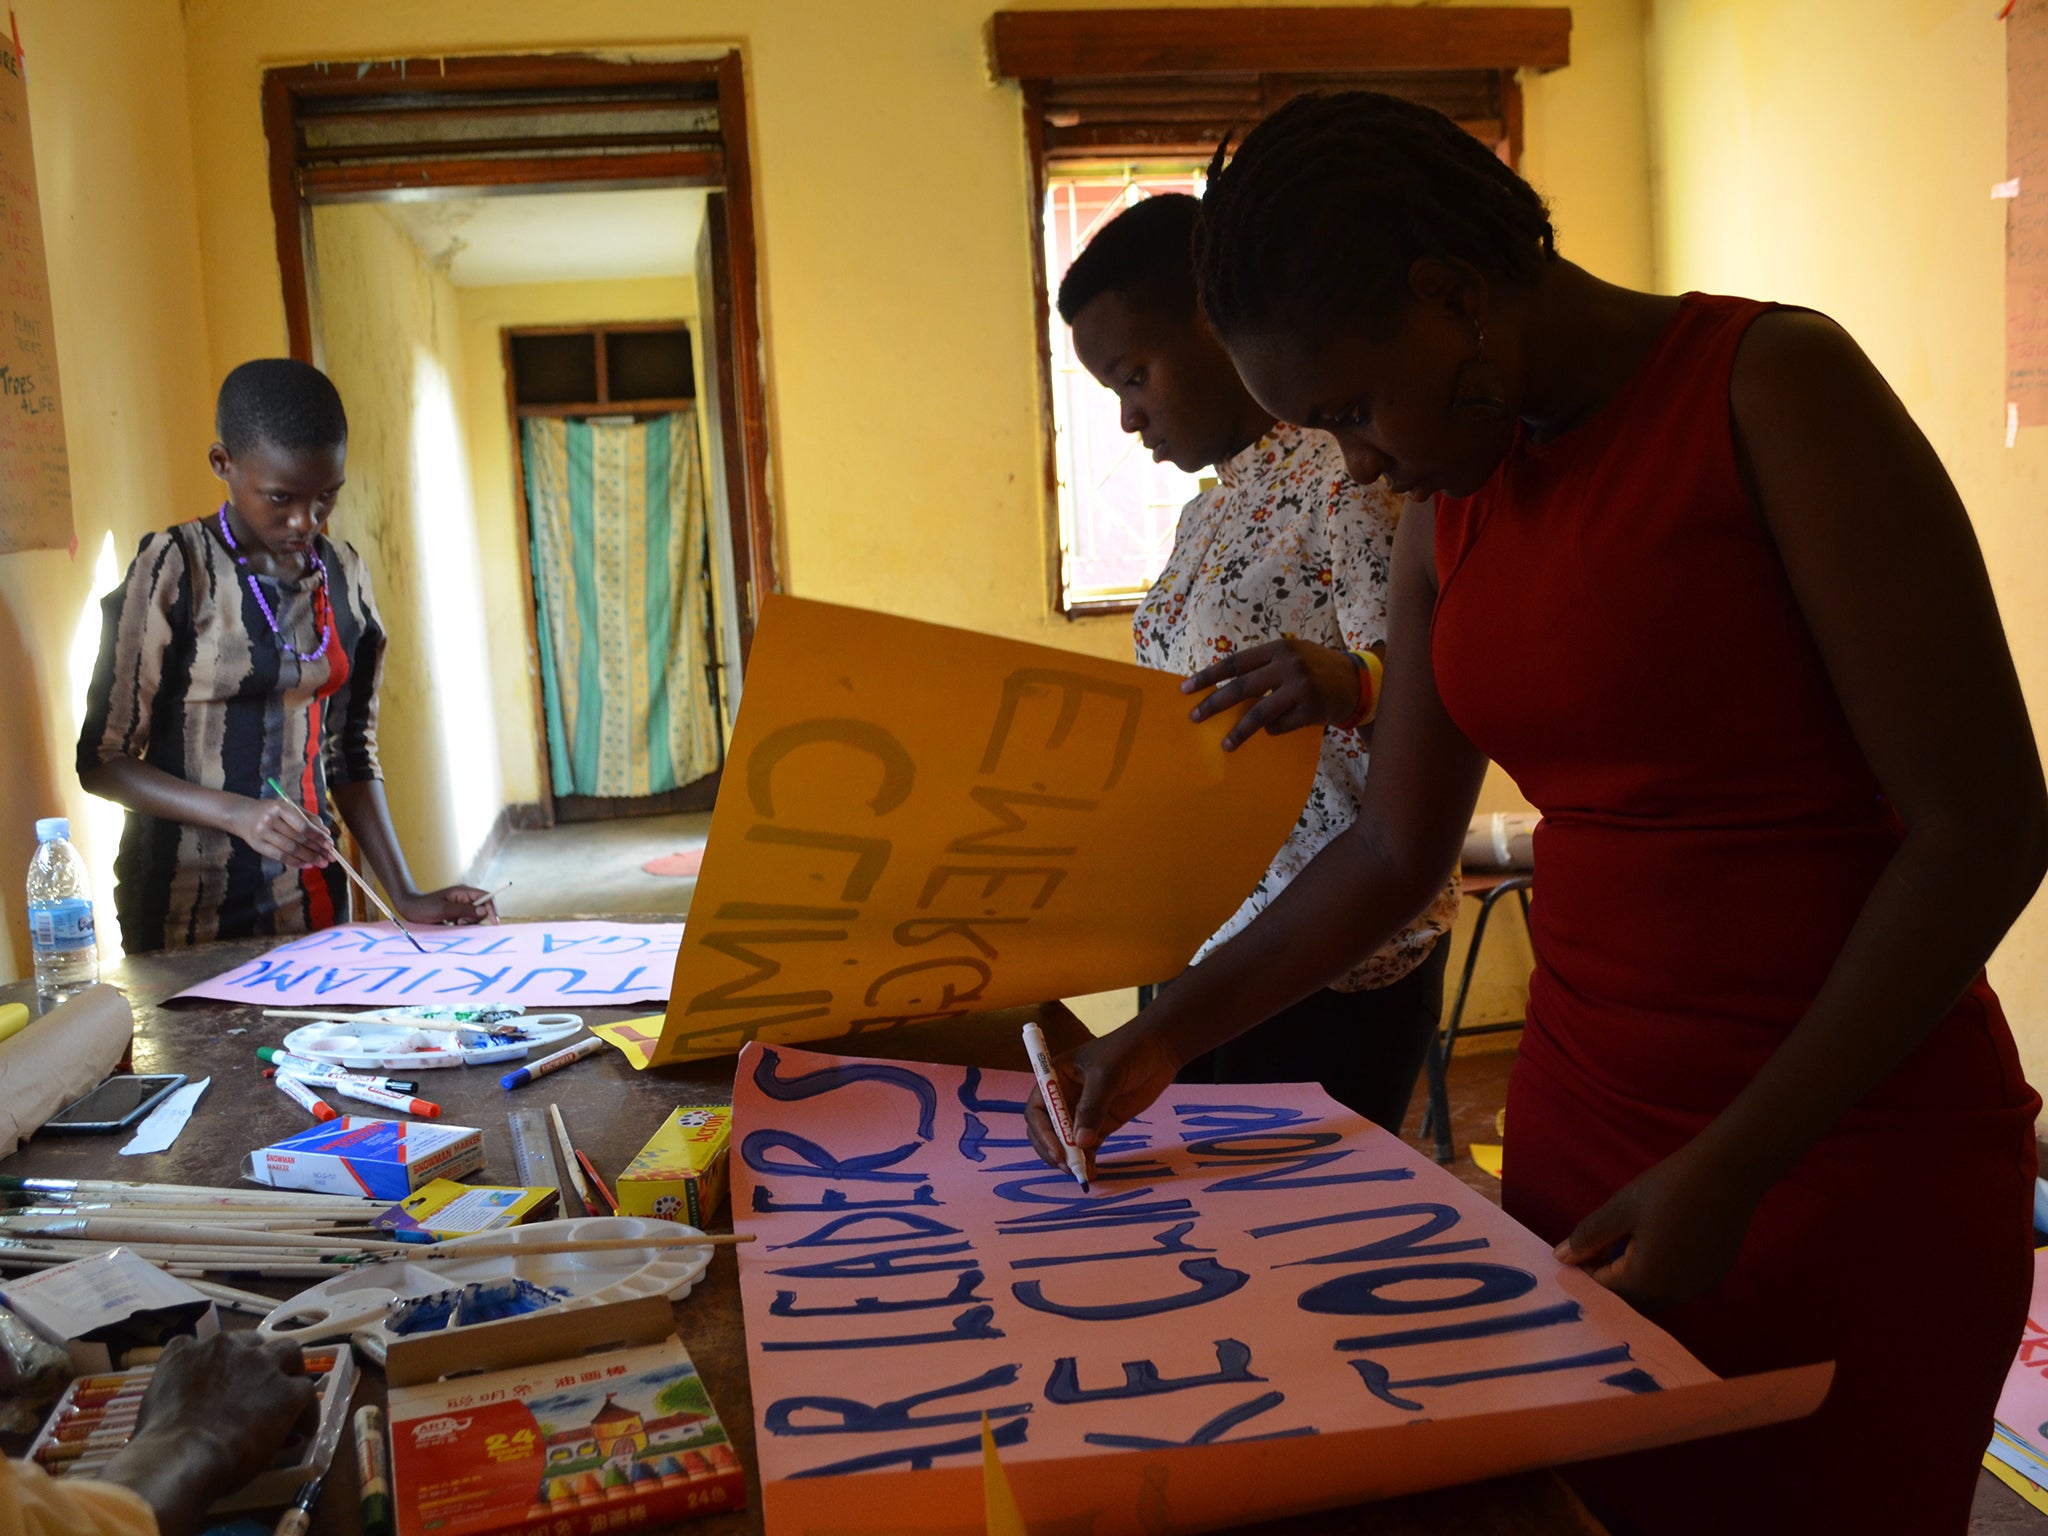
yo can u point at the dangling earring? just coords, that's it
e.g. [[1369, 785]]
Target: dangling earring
[[1478, 396]]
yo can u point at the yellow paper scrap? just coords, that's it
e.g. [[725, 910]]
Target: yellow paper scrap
[[1487, 1155], [917, 823], [2018, 1482], [635, 1037], [1004, 1518]]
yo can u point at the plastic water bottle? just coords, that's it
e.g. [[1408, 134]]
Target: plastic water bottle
[[67, 949]]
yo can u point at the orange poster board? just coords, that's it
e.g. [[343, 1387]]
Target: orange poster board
[[35, 475], [917, 823]]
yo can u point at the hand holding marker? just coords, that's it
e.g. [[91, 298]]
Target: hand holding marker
[[1055, 1103]]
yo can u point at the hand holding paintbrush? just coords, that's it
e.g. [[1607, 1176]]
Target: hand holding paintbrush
[[349, 869]]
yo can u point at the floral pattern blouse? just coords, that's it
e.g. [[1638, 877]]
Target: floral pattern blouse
[[1287, 546]]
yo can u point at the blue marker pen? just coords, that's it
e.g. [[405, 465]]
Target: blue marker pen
[[524, 1075]]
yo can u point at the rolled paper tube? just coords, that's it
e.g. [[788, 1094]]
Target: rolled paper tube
[[69, 1052], [14, 1018]]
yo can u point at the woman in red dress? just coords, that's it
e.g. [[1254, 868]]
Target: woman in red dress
[[1697, 581]]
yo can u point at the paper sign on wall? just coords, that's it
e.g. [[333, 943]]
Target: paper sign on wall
[[918, 822], [1265, 1305], [35, 474], [540, 965]]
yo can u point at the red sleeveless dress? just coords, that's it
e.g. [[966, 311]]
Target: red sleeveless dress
[[1614, 628]]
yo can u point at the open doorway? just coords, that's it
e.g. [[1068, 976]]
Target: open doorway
[[585, 571]]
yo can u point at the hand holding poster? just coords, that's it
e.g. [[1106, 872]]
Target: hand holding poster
[[1266, 1305], [917, 823]]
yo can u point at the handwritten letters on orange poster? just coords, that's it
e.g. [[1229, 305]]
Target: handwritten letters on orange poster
[[917, 823]]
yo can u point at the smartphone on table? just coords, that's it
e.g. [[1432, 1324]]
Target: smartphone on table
[[117, 1103]]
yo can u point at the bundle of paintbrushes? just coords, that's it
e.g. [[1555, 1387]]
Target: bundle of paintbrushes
[[186, 1229]]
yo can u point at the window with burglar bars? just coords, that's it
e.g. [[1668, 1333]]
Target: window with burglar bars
[[1120, 105], [1117, 509]]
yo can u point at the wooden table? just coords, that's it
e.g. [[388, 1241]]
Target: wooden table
[[612, 1110]]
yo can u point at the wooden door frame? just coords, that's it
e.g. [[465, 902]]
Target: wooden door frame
[[286, 91]]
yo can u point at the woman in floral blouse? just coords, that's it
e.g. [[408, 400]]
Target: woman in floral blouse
[[1282, 566]]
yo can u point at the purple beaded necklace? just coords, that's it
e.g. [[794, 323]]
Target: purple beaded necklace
[[321, 612]]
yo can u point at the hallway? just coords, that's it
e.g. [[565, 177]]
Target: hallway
[[592, 868]]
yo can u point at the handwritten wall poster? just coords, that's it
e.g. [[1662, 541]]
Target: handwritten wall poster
[[2026, 216], [35, 476], [918, 822], [550, 965], [1266, 1305]]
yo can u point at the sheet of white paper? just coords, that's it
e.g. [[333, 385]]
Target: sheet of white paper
[[166, 1120]]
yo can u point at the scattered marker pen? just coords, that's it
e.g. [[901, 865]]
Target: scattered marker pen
[[297, 1520], [1055, 1103], [526, 1074], [337, 1075], [305, 1098], [373, 1471], [404, 1104]]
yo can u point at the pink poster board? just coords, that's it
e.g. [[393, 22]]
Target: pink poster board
[[1265, 1305], [540, 965], [2023, 1405]]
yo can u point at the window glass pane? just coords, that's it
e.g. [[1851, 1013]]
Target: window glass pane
[[1116, 507]]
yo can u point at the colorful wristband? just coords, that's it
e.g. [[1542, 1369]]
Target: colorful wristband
[[1372, 674]]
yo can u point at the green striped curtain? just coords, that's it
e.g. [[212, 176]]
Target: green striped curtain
[[617, 510]]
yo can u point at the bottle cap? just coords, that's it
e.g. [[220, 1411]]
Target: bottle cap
[[50, 828]]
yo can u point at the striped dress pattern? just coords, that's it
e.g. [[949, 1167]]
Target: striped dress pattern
[[191, 680]]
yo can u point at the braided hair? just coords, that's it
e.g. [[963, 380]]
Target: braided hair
[[1328, 202]]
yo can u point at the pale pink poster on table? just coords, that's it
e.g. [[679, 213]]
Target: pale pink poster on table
[[539, 965], [1264, 1305]]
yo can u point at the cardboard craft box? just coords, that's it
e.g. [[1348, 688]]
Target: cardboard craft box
[[356, 1155], [680, 1174], [100, 1308], [582, 1421]]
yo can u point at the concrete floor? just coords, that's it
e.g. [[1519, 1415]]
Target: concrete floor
[[589, 868]]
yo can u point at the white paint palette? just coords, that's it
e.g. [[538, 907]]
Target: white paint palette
[[359, 1303], [385, 1041]]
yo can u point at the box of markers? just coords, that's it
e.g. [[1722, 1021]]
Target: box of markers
[[595, 1420], [381, 1159], [96, 1417]]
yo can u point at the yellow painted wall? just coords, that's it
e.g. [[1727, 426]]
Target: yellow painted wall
[[484, 313], [1822, 153], [120, 222], [390, 338], [896, 254], [896, 241]]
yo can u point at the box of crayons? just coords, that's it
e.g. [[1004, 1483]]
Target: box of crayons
[[680, 1174], [567, 1441], [96, 1417]]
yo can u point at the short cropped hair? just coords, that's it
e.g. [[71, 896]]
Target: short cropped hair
[[282, 402], [1146, 251]]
